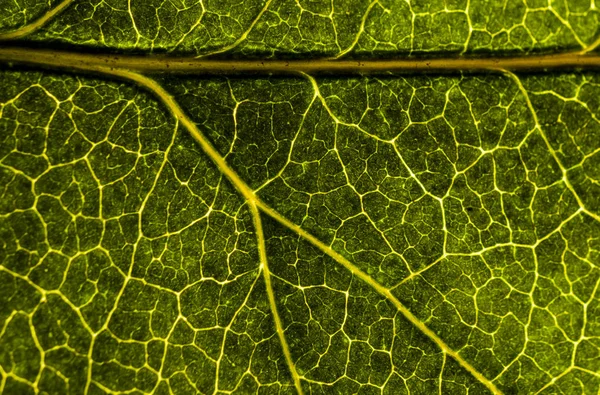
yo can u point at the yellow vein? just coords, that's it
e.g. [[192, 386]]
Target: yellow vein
[[441, 377], [260, 237], [175, 64], [174, 108], [253, 200], [32, 27], [554, 380]]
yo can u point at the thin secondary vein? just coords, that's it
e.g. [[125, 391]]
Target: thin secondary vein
[[228, 328], [243, 36], [254, 201], [593, 46], [360, 30]]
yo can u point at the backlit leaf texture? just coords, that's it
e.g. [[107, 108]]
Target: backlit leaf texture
[[381, 234]]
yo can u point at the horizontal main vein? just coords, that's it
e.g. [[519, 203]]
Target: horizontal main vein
[[174, 64], [254, 201]]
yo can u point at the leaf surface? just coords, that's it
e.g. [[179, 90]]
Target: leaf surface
[[375, 234]]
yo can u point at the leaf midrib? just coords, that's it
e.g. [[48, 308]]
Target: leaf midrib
[[191, 65]]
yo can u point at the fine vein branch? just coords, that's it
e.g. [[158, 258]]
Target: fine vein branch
[[174, 64]]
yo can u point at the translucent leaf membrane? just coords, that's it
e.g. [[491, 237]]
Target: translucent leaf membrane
[[273, 28]]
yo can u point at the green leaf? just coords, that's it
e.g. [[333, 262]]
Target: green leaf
[[177, 233]]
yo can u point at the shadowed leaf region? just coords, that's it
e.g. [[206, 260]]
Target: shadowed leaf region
[[179, 234]]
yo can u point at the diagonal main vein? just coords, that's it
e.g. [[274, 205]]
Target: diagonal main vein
[[257, 204], [262, 251], [382, 291]]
